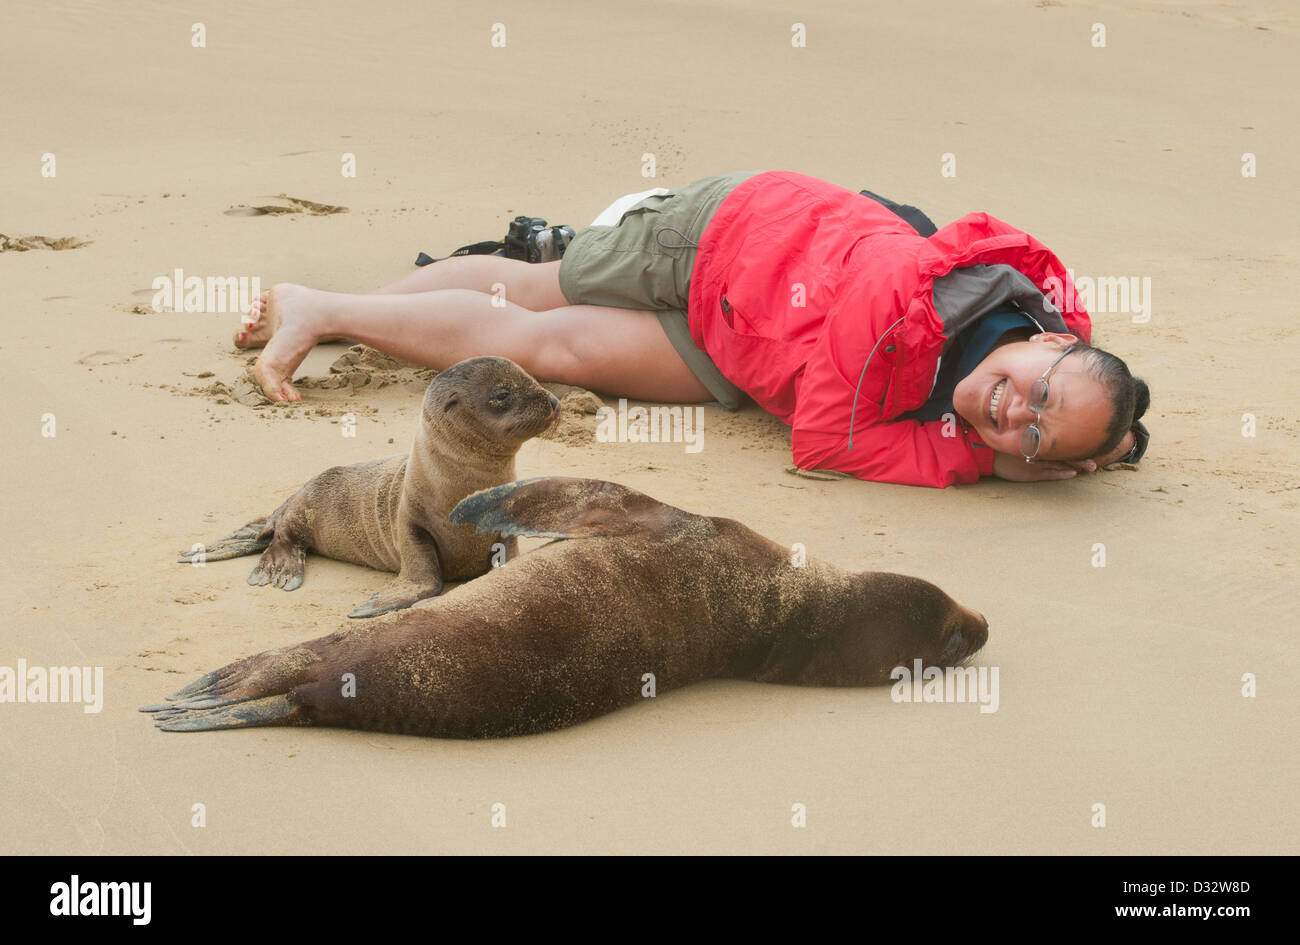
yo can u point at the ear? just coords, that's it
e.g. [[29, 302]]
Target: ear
[[561, 507], [1063, 341], [1125, 444]]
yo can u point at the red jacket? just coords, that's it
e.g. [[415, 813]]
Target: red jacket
[[798, 281]]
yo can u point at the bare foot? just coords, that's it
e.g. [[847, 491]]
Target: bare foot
[[256, 327], [292, 310]]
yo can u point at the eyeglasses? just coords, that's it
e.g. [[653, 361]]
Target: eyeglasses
[[1031, 441]]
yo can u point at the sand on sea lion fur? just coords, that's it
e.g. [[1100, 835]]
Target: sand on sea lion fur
[[574, 629]]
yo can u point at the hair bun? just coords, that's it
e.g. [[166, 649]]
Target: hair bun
[[1142, 398]]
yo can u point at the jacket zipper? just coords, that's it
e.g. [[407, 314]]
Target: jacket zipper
[[853, 411], [889, 349]]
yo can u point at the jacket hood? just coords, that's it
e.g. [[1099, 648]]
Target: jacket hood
[[966, 294]]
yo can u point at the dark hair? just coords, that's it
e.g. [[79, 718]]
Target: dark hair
[[1129, 395]]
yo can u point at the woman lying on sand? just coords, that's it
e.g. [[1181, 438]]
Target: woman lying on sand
[[894, 356]]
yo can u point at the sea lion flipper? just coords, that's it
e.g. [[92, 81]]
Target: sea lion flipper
[[257, 690], [249, 540], [397, 596], [272, 710], [562, 507], [283, 564]]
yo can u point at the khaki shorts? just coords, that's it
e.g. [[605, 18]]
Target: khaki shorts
[[645, 262]]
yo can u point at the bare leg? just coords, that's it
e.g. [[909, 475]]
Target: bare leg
[[534, 286], [614, 350]]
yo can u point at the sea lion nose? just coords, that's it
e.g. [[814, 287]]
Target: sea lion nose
[[976, 615], [555, 403]]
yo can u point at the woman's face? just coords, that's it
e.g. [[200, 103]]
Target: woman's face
[[994, 399]]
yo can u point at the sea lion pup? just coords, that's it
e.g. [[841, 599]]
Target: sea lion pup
[[391, 513], [567, 632]]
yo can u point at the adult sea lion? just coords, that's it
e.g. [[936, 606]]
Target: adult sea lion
[[391, 513], [566, 632]]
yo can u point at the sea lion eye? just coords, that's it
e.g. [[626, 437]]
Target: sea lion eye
[[500, 399]]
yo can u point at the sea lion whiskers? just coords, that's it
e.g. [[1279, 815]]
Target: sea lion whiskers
[[531, 428]]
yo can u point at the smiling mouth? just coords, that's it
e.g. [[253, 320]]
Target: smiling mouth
[[995, 400]]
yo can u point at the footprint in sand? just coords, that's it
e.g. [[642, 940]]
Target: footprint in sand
[[104, 358], [21, 244], [295, 205], [146, 309]]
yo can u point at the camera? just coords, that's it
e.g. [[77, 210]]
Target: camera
[[532, 240]]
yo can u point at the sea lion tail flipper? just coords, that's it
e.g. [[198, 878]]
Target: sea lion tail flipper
[[259, 690], [270, 710], [562, 507], [249, 540]]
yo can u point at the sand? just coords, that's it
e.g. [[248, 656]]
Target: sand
[[1120, 685]]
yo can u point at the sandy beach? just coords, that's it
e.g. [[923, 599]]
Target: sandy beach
[[1120, 685]]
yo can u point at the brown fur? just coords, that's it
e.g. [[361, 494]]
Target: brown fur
[[391, 514], [566, 632]]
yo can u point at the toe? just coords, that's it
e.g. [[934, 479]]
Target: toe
[[251, 323]]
